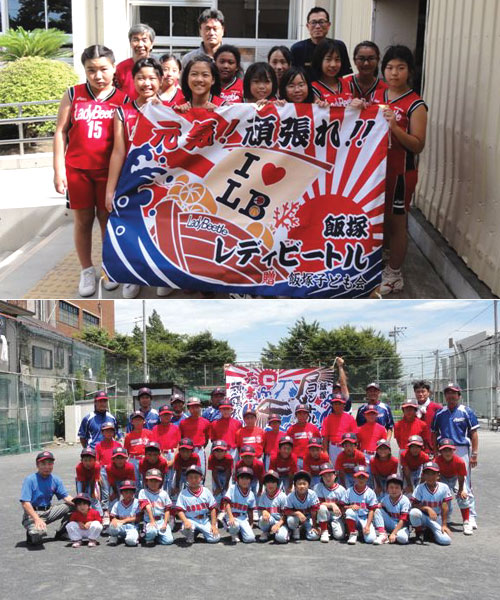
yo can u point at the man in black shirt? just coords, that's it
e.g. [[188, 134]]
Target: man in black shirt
[[318, 24]]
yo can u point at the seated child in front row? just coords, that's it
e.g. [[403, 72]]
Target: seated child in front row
[[361, 509], [332, 497], [395, 510], [85, 523], [302, 508], [124, 517], [155, 504], [239, 503], [271, 505]]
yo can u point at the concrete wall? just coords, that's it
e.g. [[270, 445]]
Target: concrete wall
[[73, 415], [353, 21], [394, 22]]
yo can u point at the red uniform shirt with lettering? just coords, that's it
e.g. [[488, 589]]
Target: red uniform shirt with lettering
[[384, 468], [167, 435], [196, 429], [340, 95], [92, 515], [357, 92], [312, 465], [145, 465], [413, 462], [271, 440], [301, 434], [334, 426], [285, 467], [222, 465], [104, 451], [233, 91], [135, 441], [404, 429], [251, 436], [114, 474], [225, 429], [456, 467], [91, 132], [88, 475], [347, 464], [369, 434]]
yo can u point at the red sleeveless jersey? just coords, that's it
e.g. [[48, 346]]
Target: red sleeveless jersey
[[339, 95], [90, 136], [175, 99], [357, 92], [233, 91], [128, 115], [123, 78], [399, 159]]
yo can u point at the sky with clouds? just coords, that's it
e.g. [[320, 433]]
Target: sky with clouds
[[249, 324]]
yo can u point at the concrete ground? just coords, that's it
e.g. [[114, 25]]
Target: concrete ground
[[466, 569]]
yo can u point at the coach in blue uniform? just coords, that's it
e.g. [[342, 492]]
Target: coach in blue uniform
[[212, 413], [90, 428], [36, 499], [151, 415], [384, 410]]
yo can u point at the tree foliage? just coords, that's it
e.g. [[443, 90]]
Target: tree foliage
[[308, 344], [19, 43]]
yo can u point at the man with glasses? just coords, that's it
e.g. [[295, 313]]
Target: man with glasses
[[318, 24]]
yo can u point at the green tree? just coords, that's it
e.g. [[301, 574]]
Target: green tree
[[19, 43], [364, 350], [31, 14]]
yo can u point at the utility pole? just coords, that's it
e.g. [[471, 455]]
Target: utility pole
[[436, 371], [395, 333], [144, 347]]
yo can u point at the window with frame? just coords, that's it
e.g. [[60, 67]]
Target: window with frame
[[90, 320], [41, 357], [68, 313], [32, 14], [59, 357]]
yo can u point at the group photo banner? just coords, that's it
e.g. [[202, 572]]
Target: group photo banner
[[279, 391], [280, 201]]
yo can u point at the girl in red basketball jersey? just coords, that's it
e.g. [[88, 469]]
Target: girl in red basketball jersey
[[327, 64], [148, 74], [200, 85], [228, 62], [83, 142], [406, 114], [295, 87], [171, 93], [367, 81]]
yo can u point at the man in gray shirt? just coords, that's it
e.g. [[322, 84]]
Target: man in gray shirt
[[211, 23]]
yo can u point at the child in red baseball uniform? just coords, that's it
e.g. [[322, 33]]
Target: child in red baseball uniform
[[220, 463], [406, 114], [171, 93], [315, 457], [153, 460], [250, 434], [348, 460], [104, 448], [88, 477], [411, 425], [382, 465], [249, 459], [166, 434], [84, 522], [272, 437], [226, 427], [136, 439], [228, 62], [370, 433], [120, 470], [184, 458], [285, 463], [335, 425], [83, 142], [197, 429], [411, 461], [301, 432]]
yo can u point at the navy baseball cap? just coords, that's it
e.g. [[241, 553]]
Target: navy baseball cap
[[302, 475], [414, 440], [108, 425], [176, 398], [302, 408], [165, 410], [100, 395], [88, 452], [218, 391], [413, 402], [137, 413], [249, 410], [315, 442], [128, 484], [395, 478], [446, 443], [120, 451], [186, 443], [82, 498], [154, 474], [430, 466], [247, 451], [274, 417], [383, 442], [144, 391], [453, 387], [225, 403], [45, 455], [286, 439], [219, 445], [271, 474], [244, 471], [349, 437], [326, 468], [361, 471], [194, 469], [151, 445], [373, 385]]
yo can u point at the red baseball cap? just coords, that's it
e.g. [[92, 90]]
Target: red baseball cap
[[144, 391], [430, 466], [165, 410], [218, 391], [88, 452], [152, 446], [100, 395], [154, 474], [119, 452], [337, 398], [128, 485], [45, 455], [193, 401], [225, 403], [186, 443], [315, 442], [371, 409], [413, 402], [244, 471], [219, 445], [326, 468], [454, 387], [446, 443], [247, 451], [414, 440], [137, 413], [274, 417], [373, 385], [302, 408], [383, 442], [286, 439], [349, 437]]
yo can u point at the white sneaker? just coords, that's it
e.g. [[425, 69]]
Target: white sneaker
[[468, 528], [473, 522], [264, 536], [325, 537], [87, 284], [353, 538], [392, 281], [235, 539], [296, 534], [381, 539], [163, 292], [130, 290], [108, 285]]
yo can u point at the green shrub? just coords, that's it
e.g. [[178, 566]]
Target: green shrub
[[18, 43], [30, 79]]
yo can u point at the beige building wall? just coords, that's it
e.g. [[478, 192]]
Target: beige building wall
[[459, 187], [353, 21]]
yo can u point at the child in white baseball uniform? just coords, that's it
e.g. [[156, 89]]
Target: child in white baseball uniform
[[124, 516], [395, 510], [302, 507], [271, 505], [155, 503], [85, 523], [197, 508], [239, 502], [361, 513], [332, 498], [430, 501]]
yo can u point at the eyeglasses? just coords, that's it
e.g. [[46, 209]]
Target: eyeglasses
[[318, 22], [363, 59]]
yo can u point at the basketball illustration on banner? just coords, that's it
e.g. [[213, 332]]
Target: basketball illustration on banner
[[238, 200]]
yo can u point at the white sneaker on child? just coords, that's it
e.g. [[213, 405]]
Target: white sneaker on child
[[325, 537], [87, 285], [468, 528], [130, 290], [353, 538]]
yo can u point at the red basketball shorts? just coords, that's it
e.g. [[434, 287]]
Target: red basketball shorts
[[399, 190], [86, 188]]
